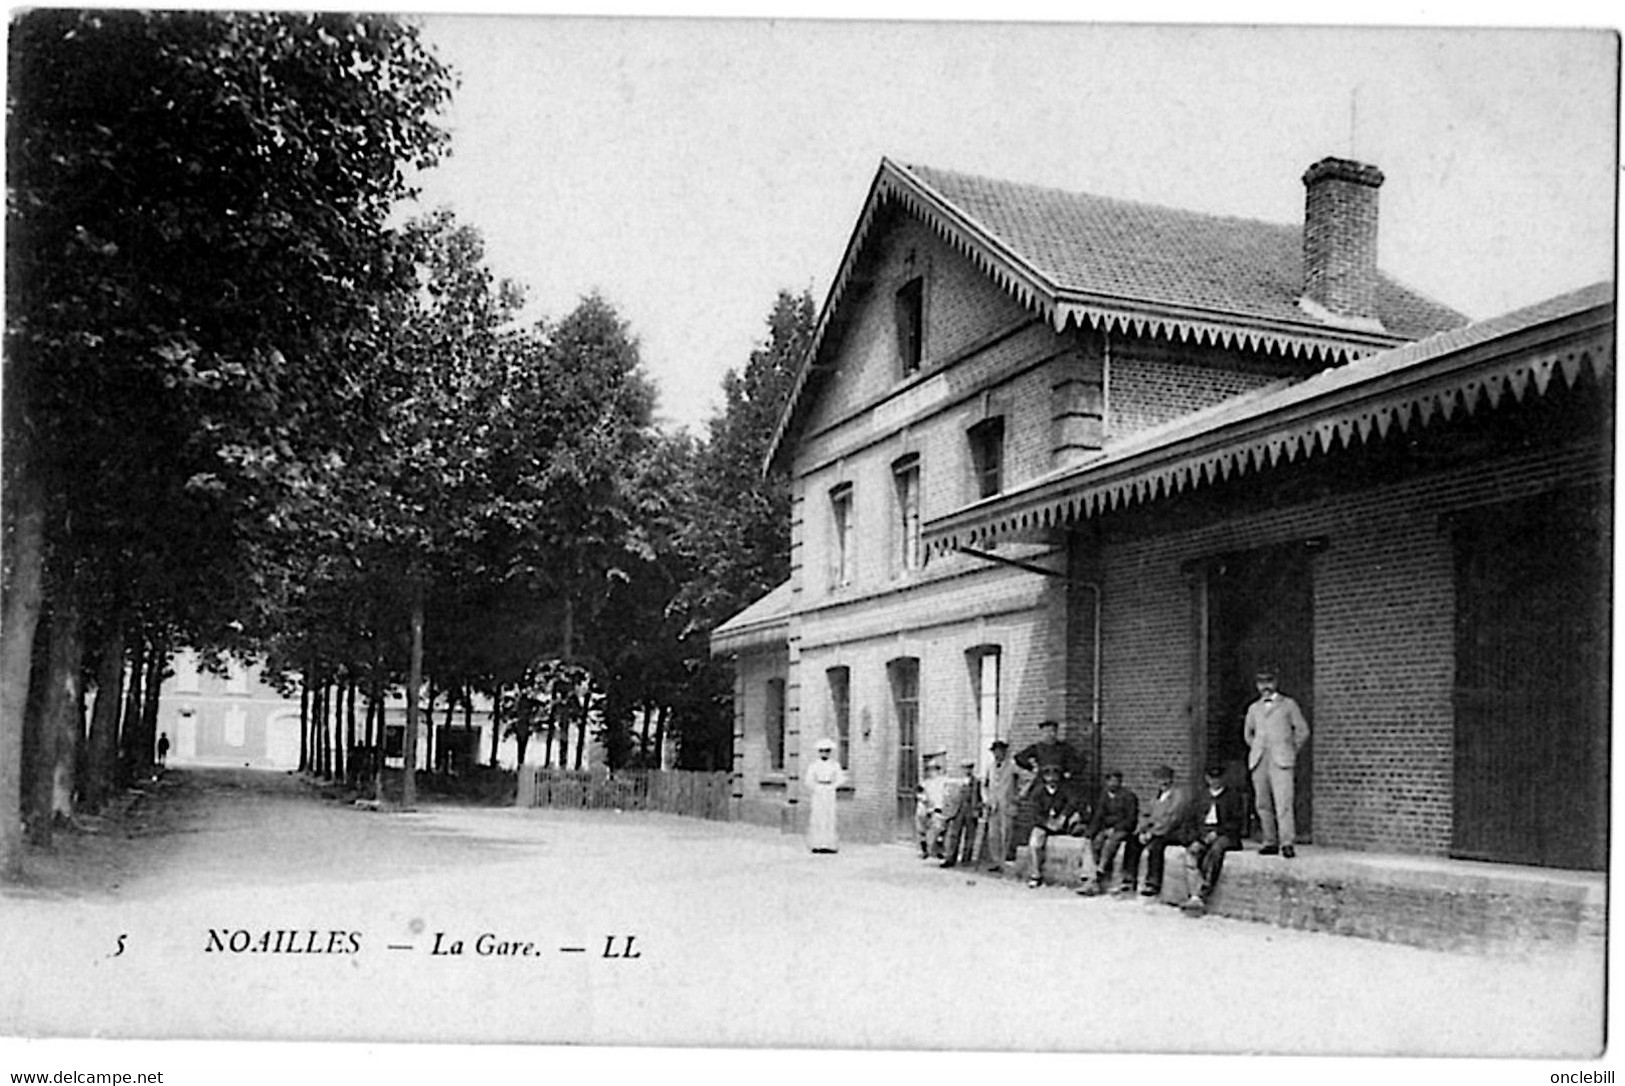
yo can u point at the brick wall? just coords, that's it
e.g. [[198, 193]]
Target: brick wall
[[1383, 644], [1146, 392], [960, 306], [760, 789], [943, 624]]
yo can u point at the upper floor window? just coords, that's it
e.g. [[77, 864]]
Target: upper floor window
[[773, 715], [840, 703], [843, 550], [187, 680], [906, 477], [909, 307], [236, 677], [987, 455]]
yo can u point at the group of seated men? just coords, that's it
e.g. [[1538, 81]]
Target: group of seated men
[[961, 817]]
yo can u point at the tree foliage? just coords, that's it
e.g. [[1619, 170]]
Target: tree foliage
[[196, 226], [739, 540]]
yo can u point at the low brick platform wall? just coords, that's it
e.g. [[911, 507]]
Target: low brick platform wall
[[1441, 904]]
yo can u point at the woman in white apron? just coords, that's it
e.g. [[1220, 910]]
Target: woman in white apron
[[821, 778]]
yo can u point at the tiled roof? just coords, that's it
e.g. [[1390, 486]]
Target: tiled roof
[[761, 623], [1122, 249]]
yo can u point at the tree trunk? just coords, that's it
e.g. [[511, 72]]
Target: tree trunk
[[451, 708], [39, 740], [157, 671], [496, 725], [339, 692], [19, 615], [304, 721], [102, 764], [349, 733], [325, 724], [580, 713], [414, 682], [71, 757], [378, 739], [130, 722], [65, 708], [660, 736], [643, 739], [560, 720], [428, 728]]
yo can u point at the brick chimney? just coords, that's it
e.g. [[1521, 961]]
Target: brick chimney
[[1340, 243]]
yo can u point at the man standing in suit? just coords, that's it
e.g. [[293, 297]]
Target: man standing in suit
[[1161, 825], [1218, 820], [1275, 731], [999, 799]]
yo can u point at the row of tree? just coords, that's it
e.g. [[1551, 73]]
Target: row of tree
[[247, 414]]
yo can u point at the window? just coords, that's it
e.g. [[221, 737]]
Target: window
[[909, 307], [843, 556], [905, 691], [186, 675], [906, 476], [840, 703], [987, 455], [984, 670], [236, 677], [774, 720], [236, 727]]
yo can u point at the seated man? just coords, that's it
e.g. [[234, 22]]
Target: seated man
[[1116, 816], [1053, 812], [1160, 825], [961, 809], [1217, 822]]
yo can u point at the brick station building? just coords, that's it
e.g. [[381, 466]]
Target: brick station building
[[1062, 456]]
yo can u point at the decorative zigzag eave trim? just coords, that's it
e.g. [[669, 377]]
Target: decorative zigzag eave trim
[[1376, 411], [1059, 308]]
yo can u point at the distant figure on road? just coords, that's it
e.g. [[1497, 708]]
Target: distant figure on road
[[1275, 731], [1116, 817], [999, 799], [1219, 818], [1161, 824], [961, 809], [822, 777], [163, 748]]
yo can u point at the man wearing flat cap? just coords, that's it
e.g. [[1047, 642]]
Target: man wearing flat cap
[[1051, 749], [961, 808]]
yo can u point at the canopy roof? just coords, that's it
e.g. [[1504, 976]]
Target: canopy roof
[[1516, 354]]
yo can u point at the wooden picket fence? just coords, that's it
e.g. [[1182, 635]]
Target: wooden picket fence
[[682, 792]]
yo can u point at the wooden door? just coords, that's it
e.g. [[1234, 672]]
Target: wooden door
[[1533, 585], [1260, 612]]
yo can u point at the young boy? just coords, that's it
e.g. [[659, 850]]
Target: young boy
[[929, 824]]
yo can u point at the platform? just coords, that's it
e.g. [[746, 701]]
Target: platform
[[1495, 909]]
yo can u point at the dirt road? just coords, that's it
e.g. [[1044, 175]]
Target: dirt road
[[246, 906]]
